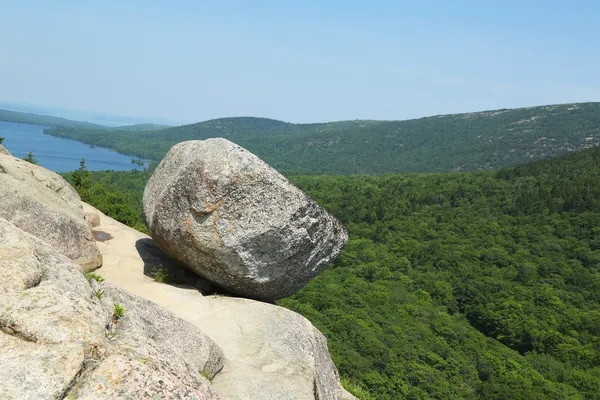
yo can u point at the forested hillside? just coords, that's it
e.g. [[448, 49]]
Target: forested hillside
[[481, 285], [462, 142]]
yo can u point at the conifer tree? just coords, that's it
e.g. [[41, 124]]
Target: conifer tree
[[82, 181], [30, 158]]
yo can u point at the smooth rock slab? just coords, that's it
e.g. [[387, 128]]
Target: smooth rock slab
[[42, 203], [54, 341], [271, 353], [234, 220]]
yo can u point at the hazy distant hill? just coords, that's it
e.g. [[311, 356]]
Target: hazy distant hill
[[97, 118], [57, 122], [138, 127], [473, 141], [45, 120]]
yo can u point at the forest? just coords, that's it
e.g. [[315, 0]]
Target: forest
[[479, 285], [458, 142]]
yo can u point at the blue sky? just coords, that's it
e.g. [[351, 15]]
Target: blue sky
[[302, 61]]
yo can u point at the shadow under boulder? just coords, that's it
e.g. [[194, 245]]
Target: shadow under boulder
[[164, 269]]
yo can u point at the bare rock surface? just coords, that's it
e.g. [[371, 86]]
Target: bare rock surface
[[270, 352], [151, 354], [42, 203], [59, 338], [93, 219], [4, 151], [230, 217]]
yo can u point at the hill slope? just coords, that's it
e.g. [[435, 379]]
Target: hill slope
[[57, 122], [466, 142], [45, 120], [480, 285]]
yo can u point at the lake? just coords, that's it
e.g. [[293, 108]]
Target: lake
[[58, 154]]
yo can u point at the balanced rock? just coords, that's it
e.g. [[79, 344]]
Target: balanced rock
[[59, 338], [42, 203], [233, 219]]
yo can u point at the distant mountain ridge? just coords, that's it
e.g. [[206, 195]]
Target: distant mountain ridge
[[58, 122], [460, 142], [98, 118], [45, 120]]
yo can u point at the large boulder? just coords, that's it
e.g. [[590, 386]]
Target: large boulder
[[59, 337], [42, 203], [233, 219]]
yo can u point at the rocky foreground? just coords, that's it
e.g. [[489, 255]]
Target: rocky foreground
[[66, 335]]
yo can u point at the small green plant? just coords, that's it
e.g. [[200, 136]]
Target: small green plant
[[206, 373], [92, 276], [1, 140], [99, 293], [161, 275], [119, 311], [357, 390], [30, 158]]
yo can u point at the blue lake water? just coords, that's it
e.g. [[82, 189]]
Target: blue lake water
[[58, 154]]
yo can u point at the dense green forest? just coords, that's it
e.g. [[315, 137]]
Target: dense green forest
[[481, 285], [117, 194], [462, 142]]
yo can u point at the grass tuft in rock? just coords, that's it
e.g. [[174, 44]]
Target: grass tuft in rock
[[119, 311], [92, 276], [161, 275], [206, 373]]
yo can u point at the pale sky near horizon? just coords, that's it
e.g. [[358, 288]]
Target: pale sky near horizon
[[306, 61]]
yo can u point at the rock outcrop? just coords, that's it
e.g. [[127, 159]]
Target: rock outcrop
[[234, 220], [270, 352], [42, 203], [64, 334], [59, 338], [4, 151]]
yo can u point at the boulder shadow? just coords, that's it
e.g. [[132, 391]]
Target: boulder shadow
[[164, 269]]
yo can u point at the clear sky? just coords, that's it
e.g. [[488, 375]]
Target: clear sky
[[301, 61]]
